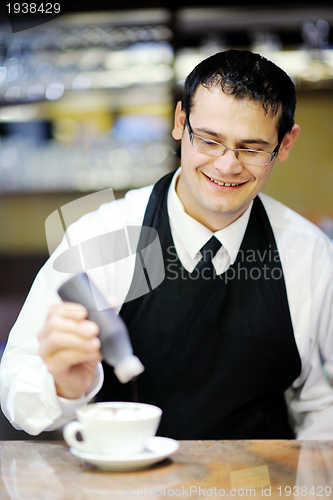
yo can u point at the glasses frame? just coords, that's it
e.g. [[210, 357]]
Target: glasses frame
[[236, 151]]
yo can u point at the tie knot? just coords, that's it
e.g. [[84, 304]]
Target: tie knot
[[209, 250]]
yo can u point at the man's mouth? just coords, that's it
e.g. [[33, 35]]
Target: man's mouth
[[227, 184]]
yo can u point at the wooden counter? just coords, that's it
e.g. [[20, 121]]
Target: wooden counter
[[199, 469]]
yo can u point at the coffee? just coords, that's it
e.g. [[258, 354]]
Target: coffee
[[121, 413]]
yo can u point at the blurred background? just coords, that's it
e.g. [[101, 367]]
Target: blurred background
[[87, 100]]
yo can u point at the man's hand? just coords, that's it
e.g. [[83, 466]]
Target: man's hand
[[70, 348]]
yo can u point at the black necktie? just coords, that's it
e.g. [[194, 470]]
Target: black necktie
[[208, 251]]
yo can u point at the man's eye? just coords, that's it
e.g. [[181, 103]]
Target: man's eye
[[208, 143], [250, 152]]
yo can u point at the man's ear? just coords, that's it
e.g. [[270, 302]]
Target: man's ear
[[180, 116], [288, 142]]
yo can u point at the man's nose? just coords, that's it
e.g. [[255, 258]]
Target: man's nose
[[228, 163]]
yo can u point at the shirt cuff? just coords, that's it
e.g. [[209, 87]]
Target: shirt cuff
[[69, 406]]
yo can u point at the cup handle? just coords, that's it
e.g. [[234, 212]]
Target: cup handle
[[70, 432]]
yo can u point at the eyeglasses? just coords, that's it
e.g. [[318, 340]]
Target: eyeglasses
[[245, 156]]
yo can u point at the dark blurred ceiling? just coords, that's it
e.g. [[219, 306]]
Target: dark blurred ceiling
[[283, 16], [103, 5]]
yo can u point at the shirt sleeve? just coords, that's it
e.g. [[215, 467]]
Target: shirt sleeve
[[27, 389], [307, 260], [312, 401]]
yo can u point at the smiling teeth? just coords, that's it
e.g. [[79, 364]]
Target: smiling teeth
[[222, 183]]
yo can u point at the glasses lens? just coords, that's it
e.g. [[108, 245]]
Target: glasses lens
[[254, 157], [212, 148], [206, 146]]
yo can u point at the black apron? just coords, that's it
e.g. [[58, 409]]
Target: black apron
[[218, 353]]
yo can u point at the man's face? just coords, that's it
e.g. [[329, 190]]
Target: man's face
[[237, 124]]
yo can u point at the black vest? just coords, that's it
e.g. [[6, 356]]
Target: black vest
[[218, 353]]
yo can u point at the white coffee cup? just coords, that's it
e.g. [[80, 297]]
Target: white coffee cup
[[113, 428]]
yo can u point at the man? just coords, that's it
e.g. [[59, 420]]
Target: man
[[221, 340]]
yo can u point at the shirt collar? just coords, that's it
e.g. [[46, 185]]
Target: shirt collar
[[194, 235]]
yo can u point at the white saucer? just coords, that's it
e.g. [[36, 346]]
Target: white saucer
[[158, 448]]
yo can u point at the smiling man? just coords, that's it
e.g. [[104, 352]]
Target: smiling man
[[216, 185], [248, 289]]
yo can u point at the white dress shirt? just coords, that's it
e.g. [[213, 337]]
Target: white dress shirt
[[27, 389]]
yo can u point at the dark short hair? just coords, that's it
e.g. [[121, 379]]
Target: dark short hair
[[246, 75]]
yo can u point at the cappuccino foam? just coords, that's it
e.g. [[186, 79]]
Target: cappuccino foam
[[119, 414]]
